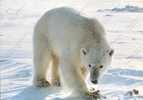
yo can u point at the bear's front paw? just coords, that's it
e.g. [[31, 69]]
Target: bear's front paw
[[42, 83], [93, 95]]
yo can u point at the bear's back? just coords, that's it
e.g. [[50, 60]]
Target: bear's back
[[68, 27], [65, 27]]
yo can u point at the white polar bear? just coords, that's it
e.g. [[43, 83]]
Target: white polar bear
[[76, 45]]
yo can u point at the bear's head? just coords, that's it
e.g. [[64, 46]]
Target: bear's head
[[96, 60]]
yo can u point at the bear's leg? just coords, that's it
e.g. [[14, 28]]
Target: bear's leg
[[71, 78], [42, 57], [83, 72], [55, 81]]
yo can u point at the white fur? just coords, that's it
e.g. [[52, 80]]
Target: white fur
[[63, 32]]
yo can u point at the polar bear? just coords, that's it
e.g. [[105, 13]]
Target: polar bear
[[74, 45]]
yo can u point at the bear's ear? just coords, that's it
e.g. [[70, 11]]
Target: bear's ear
[[111, 52], [83, 51]]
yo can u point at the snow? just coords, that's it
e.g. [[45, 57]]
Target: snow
[[124, 32], [127, 8]]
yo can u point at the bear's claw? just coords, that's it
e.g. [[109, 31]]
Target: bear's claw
[[42, 83], [57, 83], [93, 95]]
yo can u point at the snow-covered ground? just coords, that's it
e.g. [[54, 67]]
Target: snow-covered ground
[[124, 32]]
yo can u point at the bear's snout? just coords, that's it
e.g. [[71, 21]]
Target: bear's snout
[[94, 81], [94, 74]]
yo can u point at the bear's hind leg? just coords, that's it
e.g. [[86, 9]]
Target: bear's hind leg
[[55, 81], [42, 58]]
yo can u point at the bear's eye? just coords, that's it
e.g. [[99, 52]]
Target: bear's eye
[[89, 65], [84, 52], [111, 52], [101, 66]]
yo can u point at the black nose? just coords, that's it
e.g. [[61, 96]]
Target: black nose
[[94, 81]]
